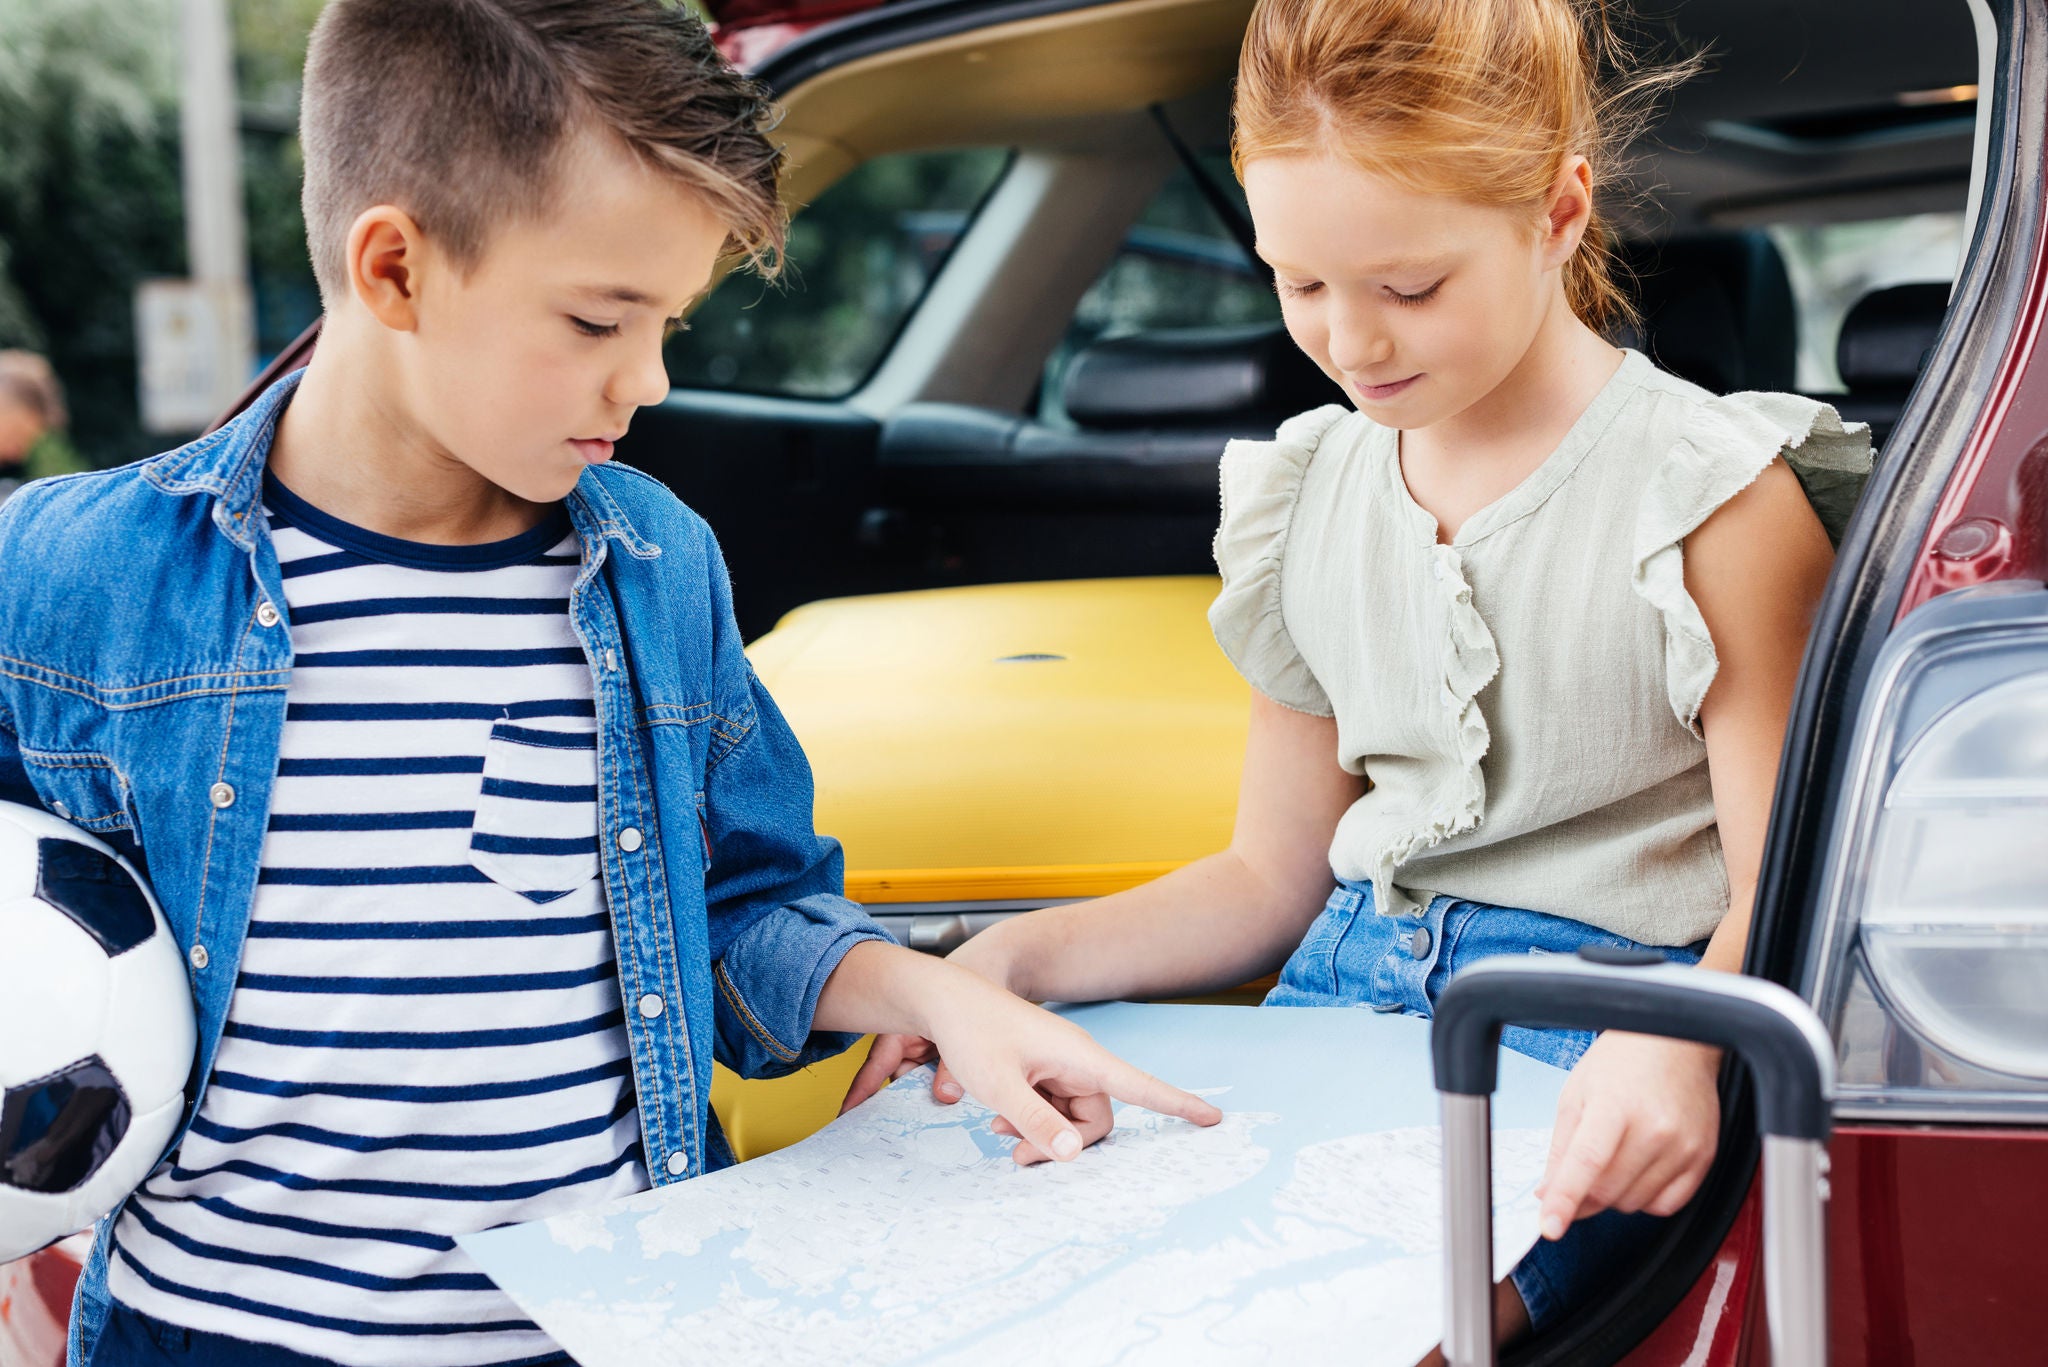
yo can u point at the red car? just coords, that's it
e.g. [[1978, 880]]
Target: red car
[[1026, 321]]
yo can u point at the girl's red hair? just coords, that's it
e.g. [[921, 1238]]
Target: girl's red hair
[[1482, 99]]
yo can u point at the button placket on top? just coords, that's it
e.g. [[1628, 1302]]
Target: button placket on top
[[647, 966], [240, 793]]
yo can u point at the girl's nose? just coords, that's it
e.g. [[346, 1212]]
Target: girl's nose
[[1358, 343]]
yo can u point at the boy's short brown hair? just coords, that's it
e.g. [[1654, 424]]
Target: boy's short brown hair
[[458, 112]]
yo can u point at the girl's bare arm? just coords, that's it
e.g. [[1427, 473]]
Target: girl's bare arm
[[1211, 924], [1217, 922], [1636, 1127]]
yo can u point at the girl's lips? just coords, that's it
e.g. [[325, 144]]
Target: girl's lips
[[1377, 392], [594, 450]]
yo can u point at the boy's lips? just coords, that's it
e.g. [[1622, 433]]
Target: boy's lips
[[594, 450]]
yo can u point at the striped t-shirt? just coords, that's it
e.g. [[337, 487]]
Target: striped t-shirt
[[425, 1036]]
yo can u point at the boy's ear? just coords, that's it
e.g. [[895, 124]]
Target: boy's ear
[[1568, 210], [384, 255]]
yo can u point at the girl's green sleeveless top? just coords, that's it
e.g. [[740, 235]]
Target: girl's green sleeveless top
[[1525, 700]]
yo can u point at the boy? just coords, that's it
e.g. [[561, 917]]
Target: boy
[[434, 729]]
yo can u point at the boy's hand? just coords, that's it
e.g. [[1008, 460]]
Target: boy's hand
[[1637, 1126], [894, 1055], [890, 1057], [1046, 1078], [1090, 1112], [1048, 1081]]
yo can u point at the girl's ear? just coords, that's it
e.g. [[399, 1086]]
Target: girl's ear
[[384, 253], [1568, 211]]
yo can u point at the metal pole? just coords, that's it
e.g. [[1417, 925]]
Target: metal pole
[[1468, 1230], [216, 235], [1795, 1250]]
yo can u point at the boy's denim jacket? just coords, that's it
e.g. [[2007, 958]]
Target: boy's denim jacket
[[145, 650]]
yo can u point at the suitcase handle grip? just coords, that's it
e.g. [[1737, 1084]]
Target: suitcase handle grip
[[1776, 1033], [1789, 1055]]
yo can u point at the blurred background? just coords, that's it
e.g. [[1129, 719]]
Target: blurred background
[[93, 199], [152, 254]]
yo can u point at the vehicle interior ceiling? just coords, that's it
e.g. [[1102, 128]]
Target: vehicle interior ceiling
[[1828, 112]]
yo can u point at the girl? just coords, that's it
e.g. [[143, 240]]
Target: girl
[[1523, 627]]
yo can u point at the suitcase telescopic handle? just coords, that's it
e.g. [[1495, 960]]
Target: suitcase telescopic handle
[[1790, 1058]]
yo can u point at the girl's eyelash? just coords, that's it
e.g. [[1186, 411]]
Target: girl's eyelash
[[1291, 291], [1419, 297]]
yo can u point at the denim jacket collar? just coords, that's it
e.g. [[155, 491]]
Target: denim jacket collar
[[228, 464]]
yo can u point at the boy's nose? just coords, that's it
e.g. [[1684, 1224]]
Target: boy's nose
[[640, 384]]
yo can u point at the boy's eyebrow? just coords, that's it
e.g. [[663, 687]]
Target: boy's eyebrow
[[619, 294]]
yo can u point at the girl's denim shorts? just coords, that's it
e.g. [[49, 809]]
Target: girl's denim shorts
[[1353, 957]]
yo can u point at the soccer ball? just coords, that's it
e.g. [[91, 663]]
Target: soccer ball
[[96, 1030]]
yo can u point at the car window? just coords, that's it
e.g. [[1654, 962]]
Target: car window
[[1179, 266], [1833, 265], [860, 257]]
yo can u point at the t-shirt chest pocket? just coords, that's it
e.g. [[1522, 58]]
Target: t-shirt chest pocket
[[536, 816]]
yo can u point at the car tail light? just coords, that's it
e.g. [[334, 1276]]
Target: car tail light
[[1933, 969]]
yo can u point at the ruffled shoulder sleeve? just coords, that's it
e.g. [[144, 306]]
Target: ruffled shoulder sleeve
[[1261, 486], [1727, 443]]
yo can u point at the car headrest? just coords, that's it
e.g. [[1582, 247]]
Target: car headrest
[[1192, 377], [1887, 335], [1717, 309]]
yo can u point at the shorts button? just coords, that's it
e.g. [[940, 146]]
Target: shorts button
[[629, 839], [678, 1163], [1418, 943], [650, 1005], [221, 795], [266, 613]]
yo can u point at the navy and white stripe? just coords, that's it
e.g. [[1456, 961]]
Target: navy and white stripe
[[426, 1035]]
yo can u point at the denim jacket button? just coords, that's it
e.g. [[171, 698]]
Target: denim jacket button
[[629, 839], [198, 956], [650, 1005], [678, 1163], [61, 811], [221, 795], [266, 613], [1418, 943]]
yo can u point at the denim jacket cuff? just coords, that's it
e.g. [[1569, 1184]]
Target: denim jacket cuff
[[769, 981]]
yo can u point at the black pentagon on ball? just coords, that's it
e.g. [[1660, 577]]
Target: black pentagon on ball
[[95, 892], [56, 1131]]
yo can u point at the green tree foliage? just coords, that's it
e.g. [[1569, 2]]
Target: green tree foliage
[[90, 202], [88, 194]]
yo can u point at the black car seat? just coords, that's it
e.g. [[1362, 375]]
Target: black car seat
[[1243, 380], [1167, 400], [1884, 345], [1717, 309]]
